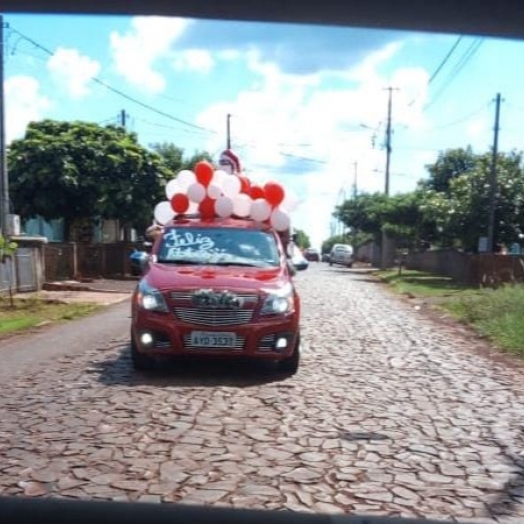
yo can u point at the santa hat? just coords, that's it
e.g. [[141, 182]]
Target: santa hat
[[229, 158]]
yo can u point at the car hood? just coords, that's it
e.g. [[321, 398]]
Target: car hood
[[166, 277]]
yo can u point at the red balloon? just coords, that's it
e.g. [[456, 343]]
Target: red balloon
[[245, 185], [207, 208], [274, 193], [180, 203], [257, 192], [204, 172]]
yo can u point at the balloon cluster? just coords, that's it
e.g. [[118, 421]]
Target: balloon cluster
[[215, 193]]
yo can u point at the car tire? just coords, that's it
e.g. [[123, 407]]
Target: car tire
[[291, 364], [140, 361]]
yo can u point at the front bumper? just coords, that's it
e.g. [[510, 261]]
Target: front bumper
[[256, 340]]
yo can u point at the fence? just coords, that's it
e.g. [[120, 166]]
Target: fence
[[70, 261], [484, 269]]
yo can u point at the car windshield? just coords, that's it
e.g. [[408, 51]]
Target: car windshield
[[218, 246]]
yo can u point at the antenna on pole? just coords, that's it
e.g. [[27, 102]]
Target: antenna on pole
[[228, 131]]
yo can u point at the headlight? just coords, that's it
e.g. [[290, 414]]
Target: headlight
[[150, 298], [279, 302]]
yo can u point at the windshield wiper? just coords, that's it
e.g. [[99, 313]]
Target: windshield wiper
[[246, 263], [181, 261]]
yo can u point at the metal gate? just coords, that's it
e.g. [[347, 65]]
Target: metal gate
[[26, 269]]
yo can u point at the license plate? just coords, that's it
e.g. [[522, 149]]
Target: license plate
[[204, 339]]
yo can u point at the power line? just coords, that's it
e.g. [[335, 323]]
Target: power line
[[446, 58], [121, 93], [440, 66], [465, 118], [463, 61]]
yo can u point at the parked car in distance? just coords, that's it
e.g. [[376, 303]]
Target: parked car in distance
[[325, 257], [312, 255], [300, 263], [342, 255]]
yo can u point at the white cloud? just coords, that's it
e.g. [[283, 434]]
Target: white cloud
[[198, 60], [73, 71], [24, 104], [304, 117], [136, 52]]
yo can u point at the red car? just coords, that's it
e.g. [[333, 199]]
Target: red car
[[220, 287]]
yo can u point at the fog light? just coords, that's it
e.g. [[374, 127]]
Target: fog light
[[146, 339], [281, 343]]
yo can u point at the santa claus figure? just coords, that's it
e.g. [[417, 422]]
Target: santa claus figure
[[230, 163]]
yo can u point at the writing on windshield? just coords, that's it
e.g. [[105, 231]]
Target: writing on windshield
[[218, 245]]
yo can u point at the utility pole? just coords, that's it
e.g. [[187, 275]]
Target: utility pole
[[4, 182], [383, 249], [388, 136], [493, 178], [228, 131], [355, 165], [123, 116]]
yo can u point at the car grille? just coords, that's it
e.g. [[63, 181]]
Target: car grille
[[187, 312], [238, 346], [266, 343]]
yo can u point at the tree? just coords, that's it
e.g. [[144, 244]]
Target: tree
[[363, 213], [302, 239], [173, 157], [400, 216], [462, 214], [450, 164], [79, 170], [196, 157]]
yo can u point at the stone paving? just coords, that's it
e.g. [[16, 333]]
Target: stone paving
[[390, 414]]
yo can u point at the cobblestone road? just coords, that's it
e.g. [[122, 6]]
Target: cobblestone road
[[388, 415]]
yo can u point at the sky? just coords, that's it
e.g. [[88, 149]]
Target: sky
[[308, 104]]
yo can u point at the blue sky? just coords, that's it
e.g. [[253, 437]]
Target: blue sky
[[306, 101]]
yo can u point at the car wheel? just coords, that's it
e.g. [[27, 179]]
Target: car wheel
[[290, 364], [140, 361]]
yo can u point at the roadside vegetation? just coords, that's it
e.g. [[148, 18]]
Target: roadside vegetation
[[33, 312], [497, 314]]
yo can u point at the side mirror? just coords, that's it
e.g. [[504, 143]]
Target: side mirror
[[139, 261]]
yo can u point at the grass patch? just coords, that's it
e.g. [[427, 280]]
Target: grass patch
[[420, 284], [497, 314], [31, 312]]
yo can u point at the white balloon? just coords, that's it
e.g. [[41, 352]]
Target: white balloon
[[196, 192], [231, 186], [192, 209], [214, 191], [224, 207], [260, 210], [218, 177], [173, 187], [280, 220], [164, 213], [242, 205], [186, 178], [290, 201]]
